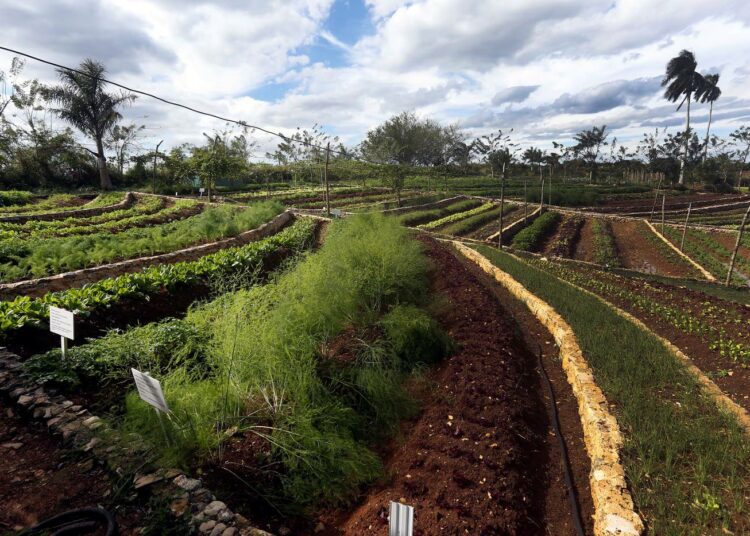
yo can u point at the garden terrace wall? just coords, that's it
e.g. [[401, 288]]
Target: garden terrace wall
[[76, 278], [80, 429], [614, 510], [127, 201]]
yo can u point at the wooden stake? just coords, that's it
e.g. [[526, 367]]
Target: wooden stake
[[325, 180], [153, 179], [663, 202], [656, 196], [684, 229], [502, 202], [525, 202], [737, 246]]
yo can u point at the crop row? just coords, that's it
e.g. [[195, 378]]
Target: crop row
[[54, 203], [418, 217], [530, 238], [567, 237], [435, 224], [605, 249], [38, 257], [708, 252], [308, 366], [24, 311]]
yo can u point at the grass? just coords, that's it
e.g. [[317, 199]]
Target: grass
[[45, 256], [688, 464], [530, 238], [312, 362]]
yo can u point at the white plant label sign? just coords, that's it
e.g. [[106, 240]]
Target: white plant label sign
[[62, 322], [401, 520], [149, 389], [336, 213]]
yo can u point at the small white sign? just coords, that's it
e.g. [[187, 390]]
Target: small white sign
[[62, 322], [149, 389], [336, 213], [201, 190], [401, 520]]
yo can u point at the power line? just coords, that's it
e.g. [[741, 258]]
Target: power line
[[189, 108]]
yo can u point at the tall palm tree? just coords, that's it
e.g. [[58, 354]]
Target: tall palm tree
[[84, 103], [709, 92], [681, 81]]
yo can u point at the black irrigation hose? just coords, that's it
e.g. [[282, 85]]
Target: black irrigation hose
[[572, 496], [74, 522]]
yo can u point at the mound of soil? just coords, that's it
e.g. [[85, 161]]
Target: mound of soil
[[638, 253]]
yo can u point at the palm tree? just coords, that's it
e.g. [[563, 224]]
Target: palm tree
[[87, 106], [681, 82], [709, 92]]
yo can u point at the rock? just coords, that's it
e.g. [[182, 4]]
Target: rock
[[207, 526], [214, 508], [25, 400], [218, 529], [284, 531], [188, 484], [226, 516], [320, 527], [179, 506], [241, 521], [91, 444], [255, 532], [9, 413], [12, 446], [141, 481], [231, 531]]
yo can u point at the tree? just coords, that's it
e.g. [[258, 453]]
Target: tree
[[709, 92], [681, 81], [494, 149], [589, 144], [86, 105], [216, 160], [121, 139], [741, 138]]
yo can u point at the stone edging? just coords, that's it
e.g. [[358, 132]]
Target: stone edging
[[700, 268], [614, 512], [88, 432], [95, 273], [127, 201]]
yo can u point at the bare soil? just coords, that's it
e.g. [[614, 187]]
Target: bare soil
[[673, 202], [39, 479], [637, 252], [584, 250], [562, 242]]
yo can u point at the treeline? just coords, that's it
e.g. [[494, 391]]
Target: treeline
[[94, 149]]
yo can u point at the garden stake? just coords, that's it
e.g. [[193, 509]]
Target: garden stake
[[663, 202], [325, 179], [737, 246], [656, 196], [684, 229]]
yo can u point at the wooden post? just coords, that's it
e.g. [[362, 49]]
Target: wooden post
[[153, 179], [541, 198], [325, 180], [684, 229], [737, 246], [525, 201], [656, 196], [502, 203], [663, 202]]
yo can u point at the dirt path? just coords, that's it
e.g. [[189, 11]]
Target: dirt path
[[480, 458], [584, 250], [637, 252], [38, 479]]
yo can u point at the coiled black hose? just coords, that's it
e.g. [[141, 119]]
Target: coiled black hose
[[73, 522]]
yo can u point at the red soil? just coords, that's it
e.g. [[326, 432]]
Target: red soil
[[637, 252], [584, 250]]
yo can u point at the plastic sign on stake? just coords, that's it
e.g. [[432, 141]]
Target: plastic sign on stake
[[202, 190], [149, 389], [62, 322], [336, 213], [401, 520]]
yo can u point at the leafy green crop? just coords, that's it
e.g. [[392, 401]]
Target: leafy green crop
[[530, 238]]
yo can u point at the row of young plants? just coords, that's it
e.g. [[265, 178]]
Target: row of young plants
[[567, 236], [94, 297], [422, 216], [436, 224], [605, 248], [143, 210], [709, 253], [468, 225], [407, 200], [53, 203], [311, 364], [38, 257], [687, 462], [670, 254], [531, 237], [721, 329], [14, 197]]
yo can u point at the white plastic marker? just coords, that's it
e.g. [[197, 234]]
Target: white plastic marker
[[62, 322], [149, 389], [401, 520], [202, 191], [336, 213]]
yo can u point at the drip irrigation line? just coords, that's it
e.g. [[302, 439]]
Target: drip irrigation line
[[572, 495], [74, 522], [189, 108]]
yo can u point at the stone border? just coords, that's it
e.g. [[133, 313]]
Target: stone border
[[700, 268], [85, 431], [89, 275], [614, 512], [127, 201]]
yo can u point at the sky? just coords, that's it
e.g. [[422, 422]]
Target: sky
[[544, 68]]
